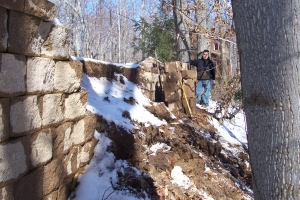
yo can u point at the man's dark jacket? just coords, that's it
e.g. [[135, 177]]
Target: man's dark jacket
[[206, 69]]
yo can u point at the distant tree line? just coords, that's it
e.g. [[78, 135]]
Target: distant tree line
[[129, 31]]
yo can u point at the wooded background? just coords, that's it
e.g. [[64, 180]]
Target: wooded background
[[129, 31]]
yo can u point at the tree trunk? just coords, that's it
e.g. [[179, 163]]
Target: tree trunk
[[224, 56], [201, 20], [268, 36], [119, 31], [182, 31]]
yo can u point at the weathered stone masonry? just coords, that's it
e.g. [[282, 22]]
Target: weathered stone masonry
[[46, 134], [171, 82], [160, 82]]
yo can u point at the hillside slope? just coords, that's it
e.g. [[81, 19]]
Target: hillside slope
[[145, 152]]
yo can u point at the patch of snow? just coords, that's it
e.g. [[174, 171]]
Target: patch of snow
[[154, 148], [101, 174], [142, 134], [228, 135], [53, 1], [57, 22], [172, 129], [180, 179], [106, 99]]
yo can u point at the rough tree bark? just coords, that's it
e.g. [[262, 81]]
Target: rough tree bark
[[224, 56], [201, 19], [268, 36], [182, 32]]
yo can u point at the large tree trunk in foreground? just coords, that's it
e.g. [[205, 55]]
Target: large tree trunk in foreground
[[268, 36]]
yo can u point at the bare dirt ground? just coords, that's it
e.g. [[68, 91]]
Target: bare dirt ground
[[215, 173]]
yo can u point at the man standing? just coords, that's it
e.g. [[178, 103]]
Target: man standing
[[205, 70]]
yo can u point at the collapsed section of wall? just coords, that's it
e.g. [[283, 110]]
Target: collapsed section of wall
[[172, 83], [46, 134]]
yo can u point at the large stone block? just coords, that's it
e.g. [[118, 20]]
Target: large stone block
[[178, 65], [186, 66], [52, 109], [132, 74], [70, 161], [63, 140], [90, 123], [7, 193], [78, 136], [179, 91], [57, 44], [191, 107], [67, 76], [156, 64], [24, 115], [150, 77], [190, 82], [3, 29], [147, 66], [86, 153], [149, 86], [53, 176], [65, 188], [4, 119], [43, 9], [13, 5], [189, 88], [31, 36], [13, 161], [41, 147], [52, 196], [170, 87], [188, 74], [193, 101], [149, 94], [40, 75], [30, 186], [75, 105], [23, 38], [84, 129], [170, 67], [172, 77], [98, 69], [172, 96], [12, 75]]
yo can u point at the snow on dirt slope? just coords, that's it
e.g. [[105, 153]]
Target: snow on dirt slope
[[142, 154]]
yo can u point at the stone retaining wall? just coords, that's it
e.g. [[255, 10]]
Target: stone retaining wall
[[172, 82], [46, 134]]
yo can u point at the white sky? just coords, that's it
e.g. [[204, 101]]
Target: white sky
[[96, 181]]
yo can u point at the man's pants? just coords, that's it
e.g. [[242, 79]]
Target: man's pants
[[203, 91]]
